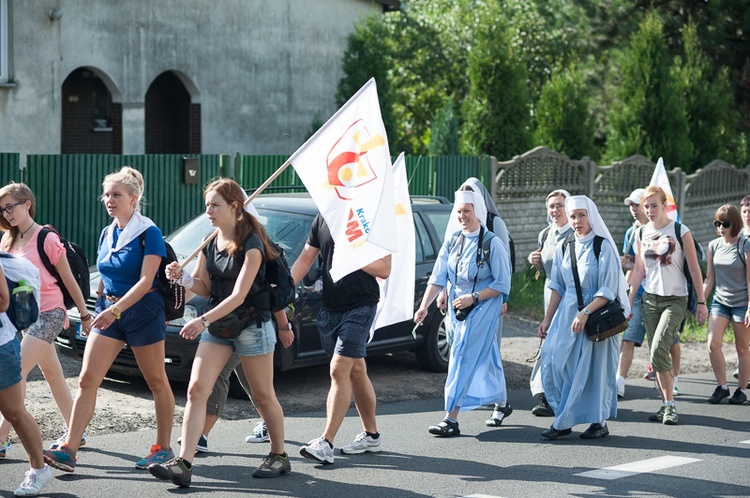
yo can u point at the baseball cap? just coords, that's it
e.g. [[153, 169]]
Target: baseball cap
[[635, 196]]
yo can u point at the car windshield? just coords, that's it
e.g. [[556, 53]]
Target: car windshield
[[440, 220], [289, 230]]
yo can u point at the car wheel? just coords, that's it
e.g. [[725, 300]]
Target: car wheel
[[434, 352]]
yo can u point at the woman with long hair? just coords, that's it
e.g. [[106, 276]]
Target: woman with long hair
[[659, 264], [729, 277], [230, 272], [130, 310], [21, 239]]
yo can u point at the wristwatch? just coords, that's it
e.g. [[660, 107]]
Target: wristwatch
[[115, 312], [205, 321], [288, 326], [586, 311], [475, 295]]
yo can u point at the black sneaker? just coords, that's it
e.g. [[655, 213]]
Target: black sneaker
[[174, 470], [719, 394], [542, 409], [273, 465], [738, 398]]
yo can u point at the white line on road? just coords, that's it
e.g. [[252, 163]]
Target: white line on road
[[641, 467], [475, 495], [745, 442]]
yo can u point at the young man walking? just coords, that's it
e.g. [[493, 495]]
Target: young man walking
[[344, 324]]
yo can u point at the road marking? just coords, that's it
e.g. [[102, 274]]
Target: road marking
[[479, 495], [641, 467], [745, 442]]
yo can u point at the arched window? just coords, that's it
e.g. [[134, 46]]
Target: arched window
[[91, 123], [172, 121]]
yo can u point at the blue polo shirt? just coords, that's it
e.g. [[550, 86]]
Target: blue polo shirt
[[123, 269]]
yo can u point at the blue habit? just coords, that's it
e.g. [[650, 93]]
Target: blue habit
[[475, 370], [578, 375]]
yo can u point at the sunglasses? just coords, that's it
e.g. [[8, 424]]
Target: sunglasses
[[724, 224], [9, 208]]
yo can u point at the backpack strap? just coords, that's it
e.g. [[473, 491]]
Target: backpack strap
[[597, 244], [741, 252], [545, 234], [42, 253], [678, 234]]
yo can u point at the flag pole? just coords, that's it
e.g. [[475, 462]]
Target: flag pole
[[250, 199]]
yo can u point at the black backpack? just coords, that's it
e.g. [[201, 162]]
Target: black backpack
[[280, 281], [172, 294], [15, 269], [79, 266]]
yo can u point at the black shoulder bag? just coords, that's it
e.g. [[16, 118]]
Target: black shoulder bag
[[462, 314], [605, 322]]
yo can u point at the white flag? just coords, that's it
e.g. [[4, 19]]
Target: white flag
[[397, 291], [661, 179], [346, 168]]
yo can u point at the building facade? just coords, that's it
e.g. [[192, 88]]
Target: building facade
[[170, 76]]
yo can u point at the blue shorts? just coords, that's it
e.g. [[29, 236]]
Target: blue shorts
[[346, 333], [142, 324], [252, 341], [636, 331], [736, 314], [10, 364]]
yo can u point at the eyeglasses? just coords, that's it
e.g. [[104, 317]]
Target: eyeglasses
[[724, 224], [9, 208], [553, 207]]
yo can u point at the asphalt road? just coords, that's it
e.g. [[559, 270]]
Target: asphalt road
[[705, 455]]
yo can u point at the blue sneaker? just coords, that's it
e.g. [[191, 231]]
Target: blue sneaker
[[202, 446], [61, 458], [64, 437], [157, 455], [4, 447]]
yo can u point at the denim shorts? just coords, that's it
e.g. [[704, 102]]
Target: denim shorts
[[346, 333], [142, 324], [736, 314], [252, 341], [10, 364], [636, 331]]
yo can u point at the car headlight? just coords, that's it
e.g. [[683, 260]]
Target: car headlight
[[190, 313]]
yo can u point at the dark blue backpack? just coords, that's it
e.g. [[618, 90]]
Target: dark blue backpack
[[20, 274]]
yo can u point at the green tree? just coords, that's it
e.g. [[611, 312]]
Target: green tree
[[367, 56], [496, 111], [648, 116], [563, 121], [444, 133]]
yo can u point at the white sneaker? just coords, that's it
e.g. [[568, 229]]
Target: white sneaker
[[620, 387], [259, 435], [675, 391], [363, 443], [34, 482], [318, 449]]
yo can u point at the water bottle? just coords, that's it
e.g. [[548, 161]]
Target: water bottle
[[20, 301]]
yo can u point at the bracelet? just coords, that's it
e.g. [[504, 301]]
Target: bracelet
[[288, 326], [701, 302], [86, 317]]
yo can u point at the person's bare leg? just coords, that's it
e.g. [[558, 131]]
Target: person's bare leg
[[339, 395], [364, 396]]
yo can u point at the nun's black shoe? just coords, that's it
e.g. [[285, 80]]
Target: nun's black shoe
[[553, 433], [595, 431]]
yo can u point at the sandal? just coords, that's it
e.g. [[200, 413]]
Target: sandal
[[494, 421], [445, 428]]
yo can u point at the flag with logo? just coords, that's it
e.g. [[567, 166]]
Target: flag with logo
[[661, 179], [346, 168], [397, 291]]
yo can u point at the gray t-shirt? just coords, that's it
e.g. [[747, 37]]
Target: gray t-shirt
[[730, 287]]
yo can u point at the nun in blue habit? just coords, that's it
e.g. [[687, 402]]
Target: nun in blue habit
[[578, 374], [475, 370]]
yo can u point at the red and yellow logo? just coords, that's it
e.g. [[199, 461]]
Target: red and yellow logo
[[348, 161]]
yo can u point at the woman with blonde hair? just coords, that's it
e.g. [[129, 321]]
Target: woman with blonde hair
[[230, 272], [21, 239], [729, 277], [660, 259], [130, 310]]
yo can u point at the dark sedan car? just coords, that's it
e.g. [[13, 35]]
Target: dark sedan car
[[287, 218]]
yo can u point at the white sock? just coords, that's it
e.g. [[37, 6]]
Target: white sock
[[675, 380]]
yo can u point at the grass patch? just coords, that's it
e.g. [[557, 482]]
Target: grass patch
[[527, 295], [699, 333]]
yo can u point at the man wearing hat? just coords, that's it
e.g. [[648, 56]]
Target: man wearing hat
[[634, 334]]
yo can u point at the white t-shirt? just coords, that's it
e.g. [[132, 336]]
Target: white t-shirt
[[663, 259], [7, 330]]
